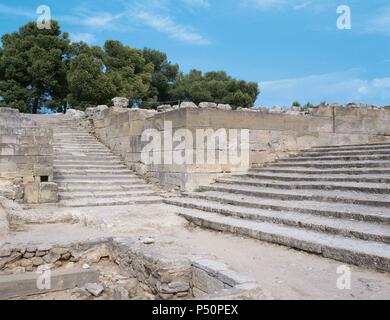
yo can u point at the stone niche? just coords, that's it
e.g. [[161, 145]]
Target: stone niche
[[26, 159]]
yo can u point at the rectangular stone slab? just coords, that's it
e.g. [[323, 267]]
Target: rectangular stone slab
[[25, 284]]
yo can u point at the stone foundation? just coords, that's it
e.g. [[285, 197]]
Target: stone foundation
[[26, 159]]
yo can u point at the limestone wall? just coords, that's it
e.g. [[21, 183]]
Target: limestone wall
[[270, 135], [26, 159]]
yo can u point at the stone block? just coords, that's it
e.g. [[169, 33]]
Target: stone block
[[25, 284]]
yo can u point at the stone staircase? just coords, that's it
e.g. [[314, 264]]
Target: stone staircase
[[333, 201], [89, 174]]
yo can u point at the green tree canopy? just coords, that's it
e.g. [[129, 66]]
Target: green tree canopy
[[33, 66], [42, 68], [215, 87]]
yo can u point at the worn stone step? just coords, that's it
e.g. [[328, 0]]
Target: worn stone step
[[368, 254], [318, 185], [91, 171], [74, 195], [330, 209], [347, 228], [332, 164], [91, 166], [105, 187], [86, 162], [111, 202], [85, 157], [80, 147], [351, 148], [316, 153], [385, 143], [101, 178], [362, 178], [71, 182], [336, 158], [303, 170], [381, 200]]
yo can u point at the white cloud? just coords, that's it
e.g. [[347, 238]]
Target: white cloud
[[269, 4], [198, 3], [342, 87], [380, 23], [13, 11], [166, 24], [88, 38]]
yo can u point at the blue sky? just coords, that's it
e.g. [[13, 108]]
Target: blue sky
[[292, 48]]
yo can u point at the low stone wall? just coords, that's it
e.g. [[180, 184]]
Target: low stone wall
[[270, 136], [26, 159], [157, 276]]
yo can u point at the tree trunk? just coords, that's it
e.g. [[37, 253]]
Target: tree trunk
[[35, 106]]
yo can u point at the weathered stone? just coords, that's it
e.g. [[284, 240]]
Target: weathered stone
[[120, 102], [5, 252], [207, 105], [174, 287], [29, 255], [26, 262], [75, 113], [37, 261], [164, 108], [184, 105], [59, 251], [120, 293], [95, 254], [51, 258], [94, 288], [224, 107], [26, 283]]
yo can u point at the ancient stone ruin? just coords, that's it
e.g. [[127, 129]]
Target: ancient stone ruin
[[130, 201]]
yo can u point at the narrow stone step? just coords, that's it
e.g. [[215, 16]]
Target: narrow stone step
[[347, 228], [336, 210], [333, 164], [83, 167], [74, 195], [101, 178], [86, 162], [304, 170], [292, 176], [85, 157], [87, 171], [111, 202], [385, 143], [337, 158], [317, 185], [352, 148], [316, 195], [70, 183], [315, 153], [368, 254], [98, 187]]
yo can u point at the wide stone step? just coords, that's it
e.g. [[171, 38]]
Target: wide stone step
[[73, 195], [318, 185], [362, 178], [104, 188], [347, 228], [330, 209], [101, 178], [385, 143], [352, 148], [83, 167], [317, 195], [81, 147], [315, 153], [92, 202], [337, 158], [87, 163], [333, 164], [71, 182], [368, 254], [85, 157], [303, 170], [87, 171]]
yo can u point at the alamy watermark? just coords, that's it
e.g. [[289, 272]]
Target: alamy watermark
[[44, 19], [201, 146], [344, 21], [344, 281]]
